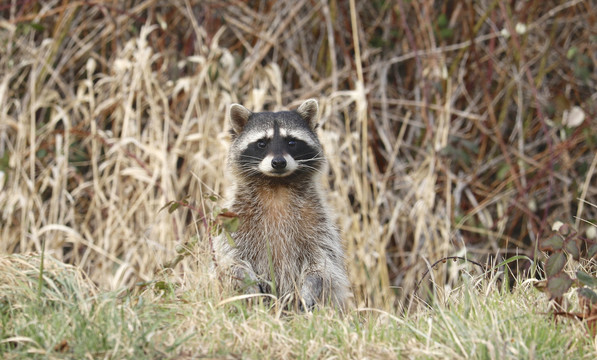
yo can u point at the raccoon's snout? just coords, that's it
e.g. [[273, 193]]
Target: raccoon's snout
[[278, 163]]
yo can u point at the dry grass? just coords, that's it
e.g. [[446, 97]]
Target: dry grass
[[185, 319], [443, 123]]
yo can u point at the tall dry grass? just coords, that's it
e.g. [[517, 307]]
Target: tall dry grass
[[451, 127]]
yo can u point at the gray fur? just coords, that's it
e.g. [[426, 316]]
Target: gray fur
[[311, 290], [284, 226]]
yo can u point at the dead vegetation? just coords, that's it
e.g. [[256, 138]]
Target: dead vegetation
[[452, 127]]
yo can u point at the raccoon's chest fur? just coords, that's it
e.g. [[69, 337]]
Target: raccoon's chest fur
[[282, 232]]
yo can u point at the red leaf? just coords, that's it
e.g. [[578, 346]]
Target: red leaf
[[555, 263], [571, 248], [557, 285], [554, 243]]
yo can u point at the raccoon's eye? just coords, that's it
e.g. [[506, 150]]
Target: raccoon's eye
[[292, 143], [261, 144]]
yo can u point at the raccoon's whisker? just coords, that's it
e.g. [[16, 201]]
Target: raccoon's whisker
[[250, 171], [308, 163], [311, 159], [248, 168], [312, 168], [317, 156], [250, 157]]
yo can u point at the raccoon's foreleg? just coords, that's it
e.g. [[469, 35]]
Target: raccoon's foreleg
[[311, 291]]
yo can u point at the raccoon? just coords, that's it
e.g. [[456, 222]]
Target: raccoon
[[286, 243]]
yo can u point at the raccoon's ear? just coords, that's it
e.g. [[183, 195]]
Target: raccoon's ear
[[308, 111], [239, 115]]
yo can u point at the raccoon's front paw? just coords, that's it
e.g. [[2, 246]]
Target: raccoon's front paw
[[247, 281], [252, 288]]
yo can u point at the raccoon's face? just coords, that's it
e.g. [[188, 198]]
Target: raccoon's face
[[275, 145]]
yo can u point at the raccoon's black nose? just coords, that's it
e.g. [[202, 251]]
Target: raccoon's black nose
[[278, 163]]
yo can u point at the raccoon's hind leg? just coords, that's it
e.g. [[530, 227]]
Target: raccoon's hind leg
[[310, 291]]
